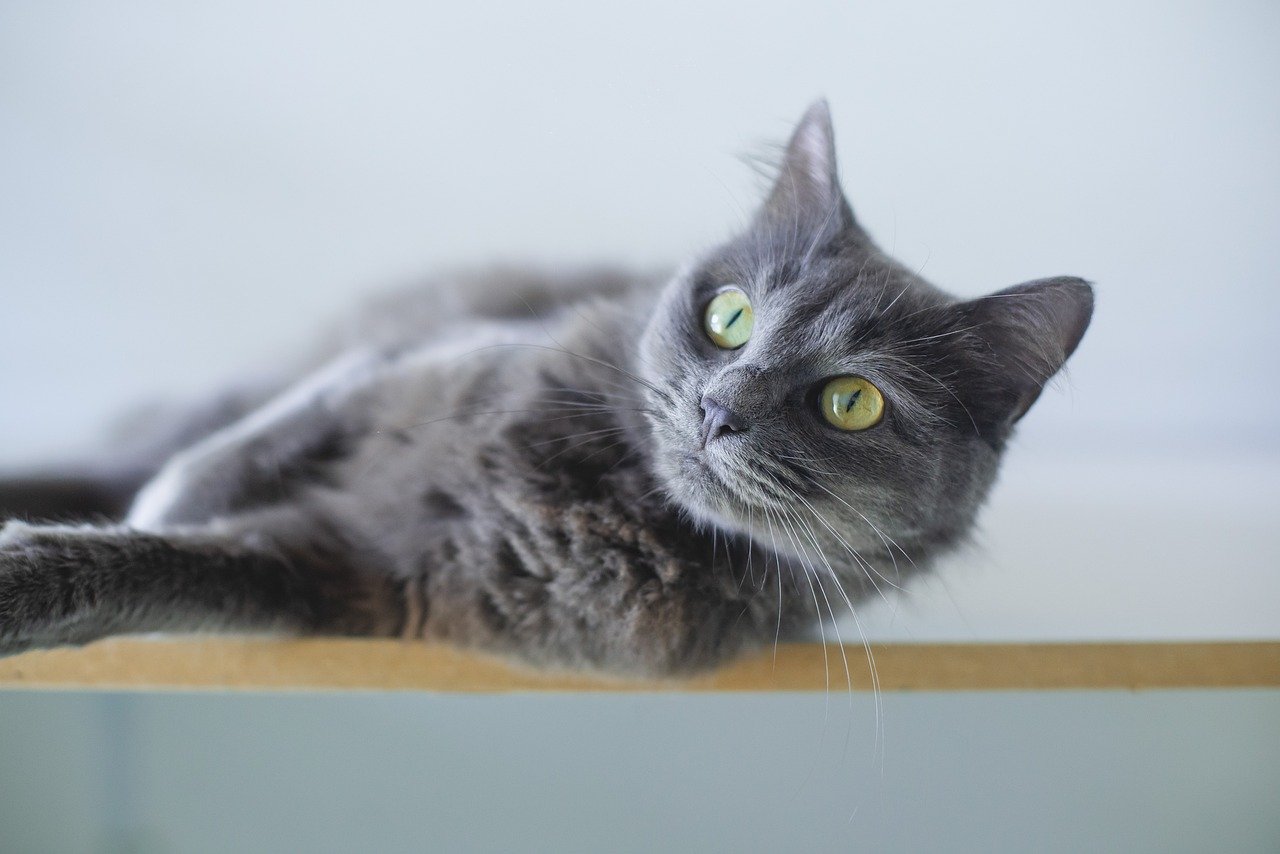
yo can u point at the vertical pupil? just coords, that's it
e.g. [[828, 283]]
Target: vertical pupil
[[733, 319], [853, 400]]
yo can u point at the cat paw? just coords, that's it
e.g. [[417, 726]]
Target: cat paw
[[33, 593], [12, 621]]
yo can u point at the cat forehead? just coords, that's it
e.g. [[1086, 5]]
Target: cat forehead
[[825, 293]]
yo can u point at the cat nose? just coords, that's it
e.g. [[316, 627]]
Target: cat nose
[[717, 420]]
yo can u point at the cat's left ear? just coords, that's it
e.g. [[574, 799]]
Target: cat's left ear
[[1027, 332], [806, 195]]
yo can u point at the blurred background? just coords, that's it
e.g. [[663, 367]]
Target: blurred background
[[187, 190]]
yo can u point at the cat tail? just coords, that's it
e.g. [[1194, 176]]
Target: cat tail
[[62, 584], [70, 495], [134, 450]]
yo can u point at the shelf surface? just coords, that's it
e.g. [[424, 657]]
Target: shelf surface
[[324, 664]]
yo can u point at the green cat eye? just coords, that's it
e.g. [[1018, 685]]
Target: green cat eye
[[729, 318], [851, 403]]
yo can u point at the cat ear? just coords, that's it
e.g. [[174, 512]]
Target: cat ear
[[1027, 332], [806, 195]]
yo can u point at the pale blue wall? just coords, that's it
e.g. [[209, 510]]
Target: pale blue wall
[[1069, 772]]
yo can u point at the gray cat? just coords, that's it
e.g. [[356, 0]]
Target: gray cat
[[620, 473]]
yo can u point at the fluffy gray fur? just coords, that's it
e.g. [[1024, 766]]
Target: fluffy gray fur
[[520, 464]]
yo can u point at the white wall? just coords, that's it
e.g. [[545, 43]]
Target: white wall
[[188, 188]]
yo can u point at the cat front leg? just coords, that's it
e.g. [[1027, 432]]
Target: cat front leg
[[74, 584]]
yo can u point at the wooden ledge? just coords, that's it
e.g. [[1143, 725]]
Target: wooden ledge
[[273, 664]]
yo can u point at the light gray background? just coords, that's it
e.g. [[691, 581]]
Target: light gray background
[[186, 189]]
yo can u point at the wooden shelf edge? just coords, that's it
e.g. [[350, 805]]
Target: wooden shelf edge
[[377, 665]]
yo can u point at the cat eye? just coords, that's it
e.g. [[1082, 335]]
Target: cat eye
[[851, 403], [728, 319]]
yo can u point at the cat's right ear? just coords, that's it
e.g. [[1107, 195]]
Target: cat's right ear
[[806, 196], [1026, 333]]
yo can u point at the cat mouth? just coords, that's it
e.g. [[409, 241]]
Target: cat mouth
[[707, 493], [696, 462], [709, 480]]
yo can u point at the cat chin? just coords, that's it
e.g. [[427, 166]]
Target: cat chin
[[705, 497], [708, 518], [697, 486]]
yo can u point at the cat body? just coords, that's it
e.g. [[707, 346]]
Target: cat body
[[574, 470]]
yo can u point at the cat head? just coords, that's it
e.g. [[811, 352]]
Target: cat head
[[809, 389]]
